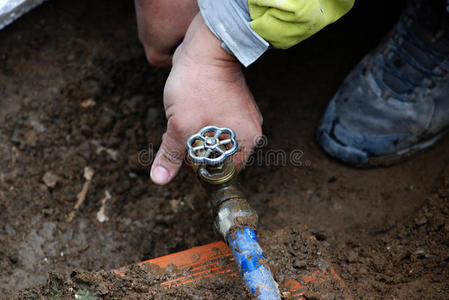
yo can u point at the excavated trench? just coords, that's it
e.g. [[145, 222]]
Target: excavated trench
[[77, 92]]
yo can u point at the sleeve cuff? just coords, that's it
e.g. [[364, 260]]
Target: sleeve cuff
[[229, 21]]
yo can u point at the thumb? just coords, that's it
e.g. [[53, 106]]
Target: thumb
[[168, 159]]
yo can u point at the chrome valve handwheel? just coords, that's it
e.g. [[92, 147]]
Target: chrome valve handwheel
[[212, 145]]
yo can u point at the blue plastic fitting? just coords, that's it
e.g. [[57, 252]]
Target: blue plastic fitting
[[249, 257]]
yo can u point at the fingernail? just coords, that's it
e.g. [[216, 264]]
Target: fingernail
[[159, 175]]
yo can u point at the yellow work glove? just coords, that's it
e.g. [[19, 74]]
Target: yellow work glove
[[285, 23]]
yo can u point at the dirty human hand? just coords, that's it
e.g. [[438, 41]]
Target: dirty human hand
[[162, 25], [205, 87]]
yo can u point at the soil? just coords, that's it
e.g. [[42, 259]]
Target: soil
[[77, 92]]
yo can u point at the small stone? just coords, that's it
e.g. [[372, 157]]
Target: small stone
[[38, 126], [352, 256], [50, 179], [88, 173], [84, 150], [420, 253], [299, 264], [88, 103], [16, 136], [29, 138], [420, 220], [363, 270], [332, 179], [175, 204], [13, 259]]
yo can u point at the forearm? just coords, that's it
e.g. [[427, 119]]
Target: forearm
[[248, 27], [161, 26]]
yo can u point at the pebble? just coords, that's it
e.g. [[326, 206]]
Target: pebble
[[420, 253], [29, 138], [50, 179], [15, 137], [13, 259], [352, 256], [38, 126], [332, 179], [299, 264], [420, 220], [88, 103]]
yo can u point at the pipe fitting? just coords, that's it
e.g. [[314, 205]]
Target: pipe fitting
[[235, 214], [235, 220]]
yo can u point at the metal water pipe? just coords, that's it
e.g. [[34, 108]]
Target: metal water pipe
[[210, 151]]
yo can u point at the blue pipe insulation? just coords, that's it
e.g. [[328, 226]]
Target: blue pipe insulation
[[249, 257]]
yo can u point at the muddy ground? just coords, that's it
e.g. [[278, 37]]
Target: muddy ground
[[76, 91]]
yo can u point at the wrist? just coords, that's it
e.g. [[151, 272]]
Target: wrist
[[202, 46], [230, 22]]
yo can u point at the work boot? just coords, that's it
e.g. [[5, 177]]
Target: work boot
[[396, 100]]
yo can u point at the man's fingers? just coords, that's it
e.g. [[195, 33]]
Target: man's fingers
[[168, 160]]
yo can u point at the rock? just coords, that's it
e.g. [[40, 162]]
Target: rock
[[421, 220], [352, 256], [113, 154], [29, 138], [420, 253], [14, 259], [88, 173], [84, 150], [36, 124], [175, 205], [363, 270], [299, 264], [332, 179], [88, 103], [50, 179]]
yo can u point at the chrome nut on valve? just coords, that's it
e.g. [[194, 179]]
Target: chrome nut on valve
[[212, 145]]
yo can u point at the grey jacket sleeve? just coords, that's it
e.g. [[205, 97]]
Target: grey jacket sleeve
[[230, 21]]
